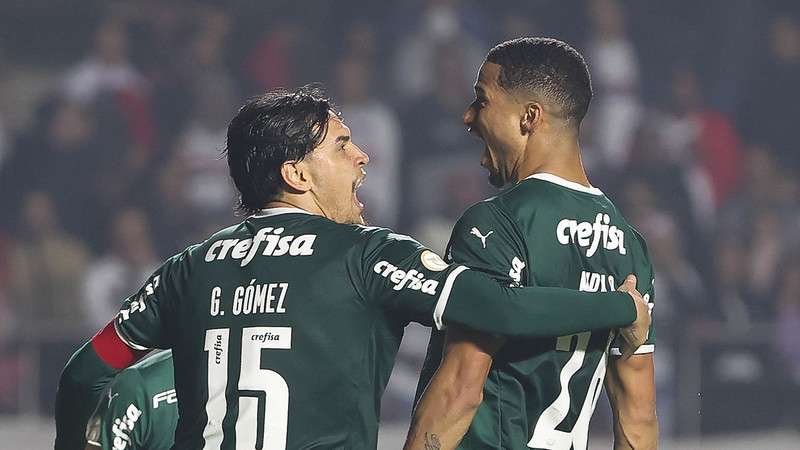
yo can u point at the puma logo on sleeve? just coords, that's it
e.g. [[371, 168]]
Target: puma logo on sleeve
[[475, 231]]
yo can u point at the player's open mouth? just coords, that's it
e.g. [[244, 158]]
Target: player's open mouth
[[356, 186]]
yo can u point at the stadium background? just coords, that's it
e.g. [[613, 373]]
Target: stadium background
[[112, 115]]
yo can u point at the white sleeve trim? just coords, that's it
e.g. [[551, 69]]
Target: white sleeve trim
[[642, 350], [441, 303], [126, 340]]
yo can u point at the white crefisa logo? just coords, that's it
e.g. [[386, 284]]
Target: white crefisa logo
[[276, 245], [516, 269], [592, 235], [412, 279], [123, 426]]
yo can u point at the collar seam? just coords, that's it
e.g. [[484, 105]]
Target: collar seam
[[555, 179]]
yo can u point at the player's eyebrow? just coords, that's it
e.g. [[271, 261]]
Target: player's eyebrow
[[479, 90], [342, 138]]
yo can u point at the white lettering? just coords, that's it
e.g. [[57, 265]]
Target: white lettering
[[591, 236], [303, 245], [167, 396], [596, 282], [240, 250], [216, 293], [274, 245], [413, 279], [238, 298], [259, 298]]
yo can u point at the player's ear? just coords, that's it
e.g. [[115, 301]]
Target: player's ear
[[531, 118], [295, 175]]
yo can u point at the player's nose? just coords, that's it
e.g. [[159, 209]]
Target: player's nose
[[362, 159], [469, 116]]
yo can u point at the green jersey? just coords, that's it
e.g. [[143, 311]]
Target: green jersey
[[138, 410], [546, 231], [284, 328]]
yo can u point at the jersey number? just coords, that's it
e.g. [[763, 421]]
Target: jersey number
[[258, 426], [545, 434]]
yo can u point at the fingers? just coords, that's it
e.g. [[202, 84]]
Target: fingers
[[628, 351], [633, 341], [629, 284]]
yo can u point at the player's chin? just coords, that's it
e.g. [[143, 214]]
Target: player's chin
[[357, 213]]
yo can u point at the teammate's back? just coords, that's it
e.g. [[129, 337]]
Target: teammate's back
[[273, 318]]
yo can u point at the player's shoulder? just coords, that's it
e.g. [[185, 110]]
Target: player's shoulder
[[370, 237], [157, 363], [490, 210], [636, 245], [641, 255], [128, 385], [145, 379]]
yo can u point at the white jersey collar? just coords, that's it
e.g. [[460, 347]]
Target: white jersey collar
[[555, 179], [269, 212]]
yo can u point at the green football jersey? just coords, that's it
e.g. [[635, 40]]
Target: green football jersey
[[546, 231], [284, 328], [139, 408]]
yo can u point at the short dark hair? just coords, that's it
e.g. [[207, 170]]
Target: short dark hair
[[547, 67], [269, 130]]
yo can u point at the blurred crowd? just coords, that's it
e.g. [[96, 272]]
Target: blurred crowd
[[112, 124]]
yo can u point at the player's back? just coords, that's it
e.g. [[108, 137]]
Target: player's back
[[546, 231], [271, 323]]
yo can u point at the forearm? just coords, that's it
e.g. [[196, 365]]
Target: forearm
[[82, 381], [79, 390], [455, 392], [635, 433], [631, 392], [533, 311], [442, 417]]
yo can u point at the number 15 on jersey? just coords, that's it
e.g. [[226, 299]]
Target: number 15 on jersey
[[257, 426]]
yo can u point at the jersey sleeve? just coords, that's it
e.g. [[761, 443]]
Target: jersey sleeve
[[120, 420], [485, 240], [142, 321], [400, 274]]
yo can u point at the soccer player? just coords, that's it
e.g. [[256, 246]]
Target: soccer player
[[138, 410], [284, 327], [552, 228]]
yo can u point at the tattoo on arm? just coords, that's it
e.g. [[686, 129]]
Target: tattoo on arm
[[432, 442]]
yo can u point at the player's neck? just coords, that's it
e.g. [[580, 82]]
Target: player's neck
[[295, 201], [559, 157]]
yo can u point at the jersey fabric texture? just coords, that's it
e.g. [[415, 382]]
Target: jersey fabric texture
[[285, 327], [138, 410], [545, 231], [284, 297]]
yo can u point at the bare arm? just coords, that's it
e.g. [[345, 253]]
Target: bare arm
[[446, 409], [631, 391]]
